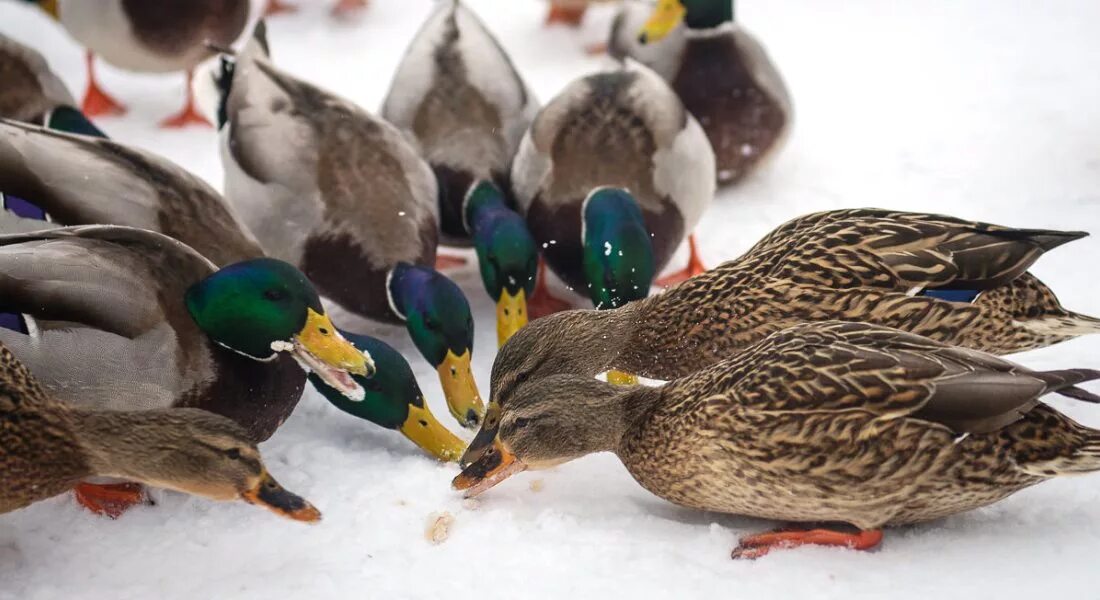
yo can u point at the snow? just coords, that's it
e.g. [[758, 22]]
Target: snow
[[979, 108]]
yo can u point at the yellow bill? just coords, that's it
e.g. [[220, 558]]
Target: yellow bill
[[511, 314], [460, 389], [425, 431], [666, 16], [321, 348]]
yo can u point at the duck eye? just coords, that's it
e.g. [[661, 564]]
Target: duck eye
[[521, 423], [274, 294], [233, 453]]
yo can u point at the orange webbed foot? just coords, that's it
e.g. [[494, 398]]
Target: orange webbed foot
[[110, 499], [567, 14], [278, 7], [755, 546], [344, 9], [96, 102], [693, 268]]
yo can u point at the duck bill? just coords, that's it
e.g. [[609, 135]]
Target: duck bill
[[511, 314], [269, 494], [460, 389], [496, 465], [425, 431], [666, 16], [483, 441], [323, 350]]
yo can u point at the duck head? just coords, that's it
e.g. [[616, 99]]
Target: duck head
[[506, 255], [695, 14], [264, 306], [437, 317], [618, 254], [394, 400]]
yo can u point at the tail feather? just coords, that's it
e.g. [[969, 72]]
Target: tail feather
[[1046, 239], [1064, 382], [1067, 325]]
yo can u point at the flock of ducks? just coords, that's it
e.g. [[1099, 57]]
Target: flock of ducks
[[843, 370]]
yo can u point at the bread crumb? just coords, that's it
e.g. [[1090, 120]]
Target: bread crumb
[[439, 525], [535, 485], [471, 504]]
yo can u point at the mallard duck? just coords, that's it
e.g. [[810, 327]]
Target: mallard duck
[[457, 93], [824, 422], [955, 281], [30, 88], [720, 71], [611, 176], [148, 37], [47, 448], [121, 318], [344, 196], [393, 400]]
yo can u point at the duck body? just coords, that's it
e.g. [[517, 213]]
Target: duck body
[[625, 130], [30, 89], [724, 77]]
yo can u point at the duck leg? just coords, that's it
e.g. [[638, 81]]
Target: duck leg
[[348, 8], [110, 499], [566, 13], [542, 302], [755, 546], [693, 268], [189, 115], [278, 7], [96, 102]]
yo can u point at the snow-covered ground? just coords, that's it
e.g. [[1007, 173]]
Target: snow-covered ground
[[983, 109]]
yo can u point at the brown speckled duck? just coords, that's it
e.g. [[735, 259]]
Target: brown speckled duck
[[827, 422], [955, 281]]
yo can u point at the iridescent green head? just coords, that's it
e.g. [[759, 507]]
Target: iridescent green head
[[71, 120], [263, 306], [618, 253], [506, 254], [437, 317], [695, 14], [393, 400]]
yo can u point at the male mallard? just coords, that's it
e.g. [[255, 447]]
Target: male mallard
[[955, 281], [47, 448], [611, 176], [123, 318], [457, 93], [30, 89], [824, 422], [148, 37], [341, 194], [721, 72]]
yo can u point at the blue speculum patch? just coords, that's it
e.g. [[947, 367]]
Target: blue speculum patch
[[14, 322], [23, 208], [965, 296]]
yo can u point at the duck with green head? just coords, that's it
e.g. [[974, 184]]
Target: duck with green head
[[351, 203], [720, 71], [120, 318], [457, 93]]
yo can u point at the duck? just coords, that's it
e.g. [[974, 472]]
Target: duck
[[120, 318], [48, 447], [31, 88], [721, 72], [148, 37], [955, 281], [458, 95], [827, 422], [345, 197], [393, 400], [611, 176]]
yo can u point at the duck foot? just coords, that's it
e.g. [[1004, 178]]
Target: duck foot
[[595, 48], [278, 7], [348, 8], [110, 499], [567, 14], [693, 268], [189, 115], [542, 302], [444, 262], [755, 546], [96, 102]]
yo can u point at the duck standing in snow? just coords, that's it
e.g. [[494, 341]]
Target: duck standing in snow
[[828, 422], [720, 71], [344, 196], [457, 93], [148, 37]]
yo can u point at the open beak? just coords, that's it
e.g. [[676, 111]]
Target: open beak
[[268, 493], [484, 438], [497, 464], [511, 314], [666, 16], [321, 348], [460, 389], [425, 431]]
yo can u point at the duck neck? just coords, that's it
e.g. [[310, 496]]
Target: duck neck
[[610, 412], [115, 442], [708, 14], [603, 335]]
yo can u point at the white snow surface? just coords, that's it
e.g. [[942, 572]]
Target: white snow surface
[[983, 109]]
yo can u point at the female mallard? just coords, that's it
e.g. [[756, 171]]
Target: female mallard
[[955, 281], [30, 88], [148, 37], [721, 72], [457, 93], [122, 318], [824, 422], [611, 176], [343, 195], [47, 448]]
